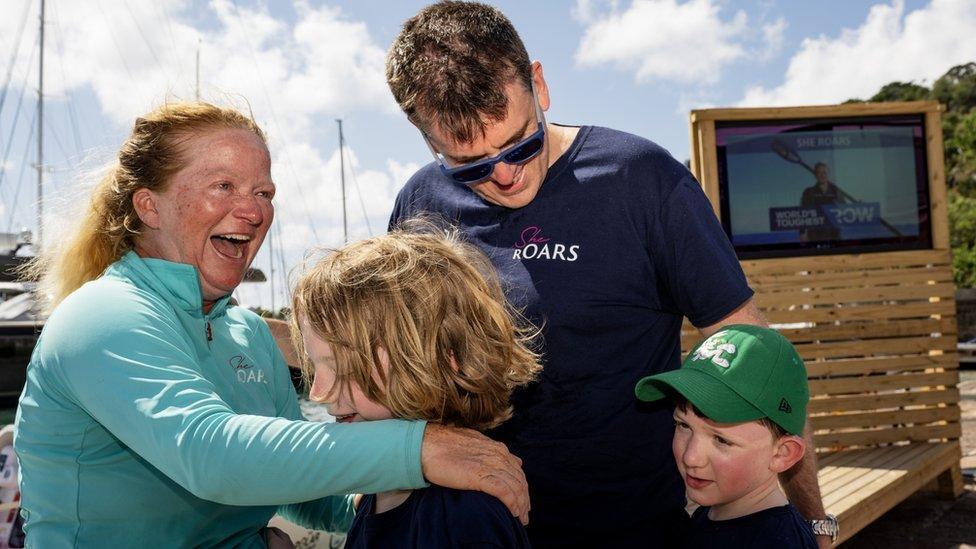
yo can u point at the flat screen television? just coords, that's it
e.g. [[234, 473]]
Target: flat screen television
[[824, 186]]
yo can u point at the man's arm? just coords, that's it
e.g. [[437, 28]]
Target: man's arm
[[802, 488], [800, 482], [747, 313]]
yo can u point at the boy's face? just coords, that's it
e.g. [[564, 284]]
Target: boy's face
[[346, 405], [722, 462]]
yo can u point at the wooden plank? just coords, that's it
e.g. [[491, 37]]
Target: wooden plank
[[861, 312], [834, 459], [890, 494], [856, 295], [877, 383], [881, 364], [922, 433], [885, 347], [694, 161], [845, 262], [938, 204], [843, 467], [891, 491], [847, 109], [850, 403], [879, 419], [949, 483], [846, 471], [866, 331], [709, 162], [863, 277], [842, 488], [831, 315], [869, 330]]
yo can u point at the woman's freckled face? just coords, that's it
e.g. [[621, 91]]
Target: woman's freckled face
[[216, 210]]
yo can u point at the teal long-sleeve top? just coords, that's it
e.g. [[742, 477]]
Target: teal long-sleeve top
[[147, 423]]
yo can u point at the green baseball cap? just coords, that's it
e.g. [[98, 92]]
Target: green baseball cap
[[740, 373]]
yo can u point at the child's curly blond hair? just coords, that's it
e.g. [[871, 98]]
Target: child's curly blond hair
[[426, 298]]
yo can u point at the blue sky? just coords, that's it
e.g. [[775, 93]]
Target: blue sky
[[635, 65]]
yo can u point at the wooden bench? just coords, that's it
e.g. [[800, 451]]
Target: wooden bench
[[878, 335]]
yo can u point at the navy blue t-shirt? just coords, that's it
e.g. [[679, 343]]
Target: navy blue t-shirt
[[618, 245], [437, 517], [774, 528]]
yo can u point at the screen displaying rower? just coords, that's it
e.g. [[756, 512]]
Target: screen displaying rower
[[823, 186]]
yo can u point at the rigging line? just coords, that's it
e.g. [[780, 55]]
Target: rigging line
[[281, 259], [13, 56], [274, 118], [111, 35], [72, 117], [13, 127], [164, 15], [359, 192], [271, 271], [144, 36], [50, 126], [20, 177]]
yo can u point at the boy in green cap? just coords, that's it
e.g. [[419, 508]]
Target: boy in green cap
[[740, 406]]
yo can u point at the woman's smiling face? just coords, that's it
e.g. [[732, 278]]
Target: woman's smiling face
[[215, 211]]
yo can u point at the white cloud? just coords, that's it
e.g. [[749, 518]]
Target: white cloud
[[585, 11], [661, 39], [890, 45], [773, 39]]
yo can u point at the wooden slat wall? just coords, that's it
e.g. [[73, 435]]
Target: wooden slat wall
[[878, 335]]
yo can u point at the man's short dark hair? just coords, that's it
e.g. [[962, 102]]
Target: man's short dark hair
[[449, 66]]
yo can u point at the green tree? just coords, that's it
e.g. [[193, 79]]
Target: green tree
[[956, 89], [960, 153], [962, 237], [901, 91]]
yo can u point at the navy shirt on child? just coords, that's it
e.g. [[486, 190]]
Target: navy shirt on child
[[773, 528], [437, 517], [618, 245]]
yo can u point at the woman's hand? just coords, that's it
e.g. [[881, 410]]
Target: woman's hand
[[467, 460]]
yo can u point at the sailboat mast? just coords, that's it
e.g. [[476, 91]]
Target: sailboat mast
[[40, 135], [342, 182]]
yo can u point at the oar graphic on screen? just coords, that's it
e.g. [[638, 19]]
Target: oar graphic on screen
[[790, 155]]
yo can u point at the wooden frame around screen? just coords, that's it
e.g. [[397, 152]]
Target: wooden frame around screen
[[704, 162]]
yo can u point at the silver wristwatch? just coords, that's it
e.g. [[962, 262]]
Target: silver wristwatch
[[826, 527]]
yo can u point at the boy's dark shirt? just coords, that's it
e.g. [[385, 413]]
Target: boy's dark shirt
[[774, 528], [437, 517]]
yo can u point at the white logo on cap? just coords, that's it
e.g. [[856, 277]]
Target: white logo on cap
[[712, 349]]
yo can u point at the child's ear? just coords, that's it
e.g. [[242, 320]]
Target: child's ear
[[787, 450]]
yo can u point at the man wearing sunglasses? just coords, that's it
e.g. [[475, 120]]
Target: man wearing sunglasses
[[603, 240]]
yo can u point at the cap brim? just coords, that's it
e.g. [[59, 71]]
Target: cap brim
[[712, 397]]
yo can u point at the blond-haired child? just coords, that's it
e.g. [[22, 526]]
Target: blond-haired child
[[415, 326]]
